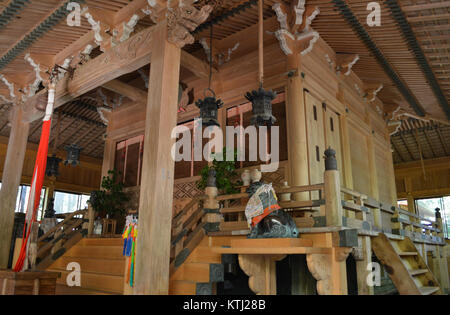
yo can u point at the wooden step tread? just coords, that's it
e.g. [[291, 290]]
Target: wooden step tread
[[416, 272], [62, 270], [94, 281], [428, 290], [407, 254], [65, 290]]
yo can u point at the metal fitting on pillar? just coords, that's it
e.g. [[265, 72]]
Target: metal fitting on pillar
[[330, 159]]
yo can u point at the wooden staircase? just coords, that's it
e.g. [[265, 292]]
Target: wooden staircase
[[201, 271], [60, 239], [405, 266], [102, 267]]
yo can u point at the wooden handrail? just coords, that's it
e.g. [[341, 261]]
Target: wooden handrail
[[61, 224], [176, 219], [297, 189]]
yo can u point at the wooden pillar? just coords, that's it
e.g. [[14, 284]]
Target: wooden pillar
[[296, 128], [12, 173], [109, 151], [410, 197], [373, 180], [361, 266], [346, 159], [156, 195], [391, 181], [332, 189]]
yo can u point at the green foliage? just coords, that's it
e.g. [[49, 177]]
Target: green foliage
[[225, 173], [111, 199]]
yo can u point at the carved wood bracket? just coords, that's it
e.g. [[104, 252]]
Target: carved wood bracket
[[261, 271], [323, 269], [295, 34]]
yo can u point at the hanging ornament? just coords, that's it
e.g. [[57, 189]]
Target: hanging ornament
[[261, 107], [261, 99], [209, 106], [52, 168], [209, 109], [73, 155]]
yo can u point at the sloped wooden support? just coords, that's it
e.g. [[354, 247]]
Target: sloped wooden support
[[345, 62], [295, 33], [261, 270]]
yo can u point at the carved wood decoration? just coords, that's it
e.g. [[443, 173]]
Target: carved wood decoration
[[320, 267], [184, 19], [261, 270], [325, 268], [372, 91], [295, 34], [345, 62]]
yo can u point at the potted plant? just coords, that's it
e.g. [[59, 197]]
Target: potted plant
[[225, 174], [111, 200]]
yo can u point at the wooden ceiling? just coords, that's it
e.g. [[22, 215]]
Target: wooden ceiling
[[428, 20]]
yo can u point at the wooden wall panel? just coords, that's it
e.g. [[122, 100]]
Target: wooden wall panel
[[383, 173], [333, 138], [316, 139], [360, 163]]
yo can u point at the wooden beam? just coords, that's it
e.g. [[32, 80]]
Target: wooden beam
[[155, 215], [134, 94], [124, 58], [198, 67], [12, 173]]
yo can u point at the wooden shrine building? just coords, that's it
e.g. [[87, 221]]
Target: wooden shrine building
[[371, 80]]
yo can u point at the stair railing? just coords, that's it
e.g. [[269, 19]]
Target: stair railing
[[61, 237], [187, 231]]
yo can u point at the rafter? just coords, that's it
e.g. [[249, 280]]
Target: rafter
[[397, 150], [406, 146]]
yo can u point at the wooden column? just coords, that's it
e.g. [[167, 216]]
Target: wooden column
[[361, 266], [156, 196], [332, 189], [296, 128], [109, 151], [373, 180], [12, 173], [108, 157], [346, 159]]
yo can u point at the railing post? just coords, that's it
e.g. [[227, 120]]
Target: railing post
[[211, 207], [91, 218], [332, 189], [439, 223]]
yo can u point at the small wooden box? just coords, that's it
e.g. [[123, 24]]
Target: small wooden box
[[28, 282]]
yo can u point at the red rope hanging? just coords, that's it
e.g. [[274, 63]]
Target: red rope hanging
[[37, 182]]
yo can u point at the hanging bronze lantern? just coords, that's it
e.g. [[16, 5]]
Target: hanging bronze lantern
[[73, 155], [209, 109], [262, 107], [52, 168]]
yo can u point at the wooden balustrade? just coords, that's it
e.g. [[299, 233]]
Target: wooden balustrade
[[187, 231], [56, 241]]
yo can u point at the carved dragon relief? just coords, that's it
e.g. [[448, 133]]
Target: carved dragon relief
[[295, 33], [184, 19]]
